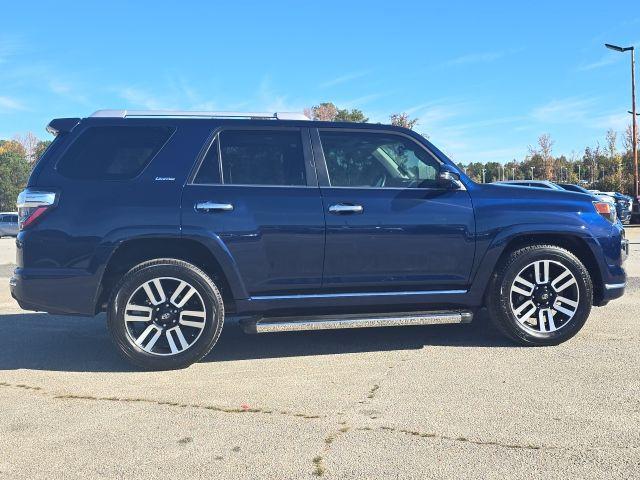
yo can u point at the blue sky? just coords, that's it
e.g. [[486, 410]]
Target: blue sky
[[484, 78]]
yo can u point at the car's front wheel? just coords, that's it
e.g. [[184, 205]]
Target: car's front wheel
[[541, 295], [165, 314]]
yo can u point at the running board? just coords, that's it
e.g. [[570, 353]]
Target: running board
[[333, 322]]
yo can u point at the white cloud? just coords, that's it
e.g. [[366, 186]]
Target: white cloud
[[9, 47], [10, 104], [359, 101], [343, 79], [137, 97], [605, 60], [567, 110], [482, 57], [272, 101]]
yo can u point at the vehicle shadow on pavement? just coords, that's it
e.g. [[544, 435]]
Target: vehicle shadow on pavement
[[80, 344]]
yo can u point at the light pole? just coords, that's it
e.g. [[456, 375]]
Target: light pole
[[483, 172], [513, 171], [531, 173], [633, 110], [579, 174]]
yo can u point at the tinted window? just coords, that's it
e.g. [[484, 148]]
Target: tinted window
[[361, 159], [14, 219], [112, 153], [210, 168], [3, 219], [259, 157]]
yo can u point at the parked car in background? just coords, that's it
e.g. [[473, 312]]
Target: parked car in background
[[635, 210], [531, 183], [595, 193], [8, 224], [624, 206], [577, 188], [622, 203], [169, 222]]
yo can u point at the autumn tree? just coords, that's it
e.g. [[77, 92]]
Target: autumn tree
[[403, 120], [41, 146], [29, 142], [14, 172], [544, 152]]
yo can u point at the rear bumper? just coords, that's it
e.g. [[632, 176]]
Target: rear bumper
[[60, 291]]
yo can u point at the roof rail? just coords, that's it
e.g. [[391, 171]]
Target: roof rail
[[189, 114]]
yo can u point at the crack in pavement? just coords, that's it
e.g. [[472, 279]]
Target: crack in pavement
[[416, 433], [215, 408]]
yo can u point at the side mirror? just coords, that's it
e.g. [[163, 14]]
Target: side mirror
[[448, 179]]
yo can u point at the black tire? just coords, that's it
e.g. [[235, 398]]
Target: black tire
[[179, 270], [499, 300]]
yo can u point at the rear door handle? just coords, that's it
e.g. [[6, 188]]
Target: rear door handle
[[209, 207], [345, 208]]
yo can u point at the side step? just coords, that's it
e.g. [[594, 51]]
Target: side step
[[333, 322]]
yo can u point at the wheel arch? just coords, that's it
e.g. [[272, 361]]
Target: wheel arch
[[574, 243], [213, 259]]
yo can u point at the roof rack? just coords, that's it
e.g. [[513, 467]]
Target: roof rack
[[191, 114]]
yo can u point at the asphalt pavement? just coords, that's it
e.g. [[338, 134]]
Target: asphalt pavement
[[446, 401]]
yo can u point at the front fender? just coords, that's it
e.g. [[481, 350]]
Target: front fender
[[489, 257]]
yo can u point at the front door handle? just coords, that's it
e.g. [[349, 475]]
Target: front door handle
[[345, 208], [210, 207]]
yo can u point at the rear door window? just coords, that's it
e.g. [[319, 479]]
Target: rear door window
[[112, 152], [262, 157]]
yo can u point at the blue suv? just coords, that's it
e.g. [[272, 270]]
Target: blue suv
[[171, 221]]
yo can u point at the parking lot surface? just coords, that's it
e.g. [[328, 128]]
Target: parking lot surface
[[447, 401]]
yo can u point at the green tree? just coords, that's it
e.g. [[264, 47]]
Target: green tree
[[40, 148], [353, 115], [14, 173]]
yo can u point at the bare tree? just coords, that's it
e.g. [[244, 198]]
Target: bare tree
[[614, 157], [30, 143], [628, 136], [403, 120], [545, 152]]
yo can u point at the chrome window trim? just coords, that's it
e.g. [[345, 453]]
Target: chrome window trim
[[312, 180]]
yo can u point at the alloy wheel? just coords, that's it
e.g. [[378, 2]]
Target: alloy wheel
[[544, 296], [165, 316]]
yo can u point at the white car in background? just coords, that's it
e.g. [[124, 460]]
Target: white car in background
[[8, 224]]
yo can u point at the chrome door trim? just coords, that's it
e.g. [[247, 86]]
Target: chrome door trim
[[355, 295]]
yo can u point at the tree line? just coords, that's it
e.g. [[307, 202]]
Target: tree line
[[602, 167], [17, 158], [599, 167]]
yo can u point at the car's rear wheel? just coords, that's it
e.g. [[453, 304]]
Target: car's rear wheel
[[165, 314], [541, 295]]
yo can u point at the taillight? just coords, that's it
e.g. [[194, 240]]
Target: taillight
[[32, 204], [606, 209]]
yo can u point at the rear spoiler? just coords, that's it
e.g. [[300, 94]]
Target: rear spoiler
[[62, 125]]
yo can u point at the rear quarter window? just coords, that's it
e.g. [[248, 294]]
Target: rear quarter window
[[112, 152]]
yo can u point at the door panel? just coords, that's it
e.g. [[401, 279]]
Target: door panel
[[275, 233], [389, 228], [403, 239]]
